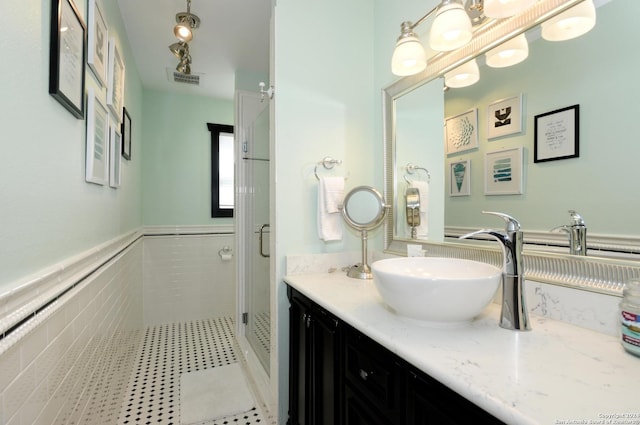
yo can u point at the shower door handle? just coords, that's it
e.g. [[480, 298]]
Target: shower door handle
[[261, 238]]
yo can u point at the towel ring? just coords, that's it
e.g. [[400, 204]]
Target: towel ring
[[411, 169], [328, 163]]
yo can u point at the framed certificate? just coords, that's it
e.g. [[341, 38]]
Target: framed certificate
[[556, 134], [67, 56]]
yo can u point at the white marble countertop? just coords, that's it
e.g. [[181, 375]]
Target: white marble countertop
[[556, 373]]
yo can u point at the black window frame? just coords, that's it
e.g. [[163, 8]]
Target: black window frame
[[215, 130]]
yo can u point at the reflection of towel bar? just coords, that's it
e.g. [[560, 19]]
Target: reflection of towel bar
[[411, 169], [328, 163]]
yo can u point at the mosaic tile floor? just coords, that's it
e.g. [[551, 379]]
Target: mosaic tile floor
[[153, 394]]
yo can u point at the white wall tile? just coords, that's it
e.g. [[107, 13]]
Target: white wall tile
[[185, 279], [44, 374]]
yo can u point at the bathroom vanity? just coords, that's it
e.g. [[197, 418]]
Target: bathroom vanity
[[354, 361]]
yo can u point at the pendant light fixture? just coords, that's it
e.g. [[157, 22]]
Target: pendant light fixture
[[186, 23], [451, 27], [499, 9], [184, 67], [508, 53], [408, 57], [179, 49], [463, 76], [571, 23]]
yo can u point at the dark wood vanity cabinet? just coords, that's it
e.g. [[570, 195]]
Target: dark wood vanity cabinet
[[340, 376], [315, 385]]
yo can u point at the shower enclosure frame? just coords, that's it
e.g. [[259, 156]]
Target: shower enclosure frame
[[248, 105]]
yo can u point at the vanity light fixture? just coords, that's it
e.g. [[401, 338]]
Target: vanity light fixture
[[451, 27], [504, 8], [463, 76], [571, 23], [509, 53], [186, 23], [408, 56]]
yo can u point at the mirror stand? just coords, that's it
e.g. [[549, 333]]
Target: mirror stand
[[361, 270]]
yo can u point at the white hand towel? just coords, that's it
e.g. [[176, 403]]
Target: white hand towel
[[423, 188], [330, 196], [333, 193]]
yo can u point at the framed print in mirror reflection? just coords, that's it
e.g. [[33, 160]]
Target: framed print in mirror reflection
[[556, 134], [460, 178], [461, 132], [503, 172], [504, 117]]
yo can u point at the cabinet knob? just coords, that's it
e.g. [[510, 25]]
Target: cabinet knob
[[364, 374]]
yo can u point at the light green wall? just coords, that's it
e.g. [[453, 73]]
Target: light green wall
[[48, 212], [596, 71], [324, 106], [250, 80], [176, 157]]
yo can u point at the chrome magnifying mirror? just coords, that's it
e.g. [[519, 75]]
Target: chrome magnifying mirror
[[364, 210]]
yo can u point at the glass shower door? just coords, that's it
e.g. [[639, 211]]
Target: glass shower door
[[257, 285]]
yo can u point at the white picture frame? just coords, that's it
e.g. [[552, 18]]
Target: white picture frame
[[97, 143], [115, 88], [503, 172], [115, 157], [461, 132], [460, 178], [504, 117], [98, 42]]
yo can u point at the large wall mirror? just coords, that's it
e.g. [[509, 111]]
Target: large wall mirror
[[595, 71]]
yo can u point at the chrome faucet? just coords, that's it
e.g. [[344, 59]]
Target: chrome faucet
[[514, 314], [577, 231]]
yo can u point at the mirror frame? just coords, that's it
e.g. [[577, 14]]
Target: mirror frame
[[597, 274], [380, 215]]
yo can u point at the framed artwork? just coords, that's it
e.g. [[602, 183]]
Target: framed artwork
[[504, 117], [556, 134], [115, 159], [126, 134], [461, 132], [67, 52], [98, 44], [460, 178], [97, 159], [503, 172], [115, 87]]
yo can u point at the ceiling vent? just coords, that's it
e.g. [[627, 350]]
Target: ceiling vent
[[178, 77]]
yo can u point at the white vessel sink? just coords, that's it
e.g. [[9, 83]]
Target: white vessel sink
[[444, 291]]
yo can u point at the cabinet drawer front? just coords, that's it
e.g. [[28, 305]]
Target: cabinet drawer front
[[374, 372], [358, 413]]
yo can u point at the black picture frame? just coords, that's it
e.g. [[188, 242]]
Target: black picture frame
[[126, 134], [67, 56], [557, 134]]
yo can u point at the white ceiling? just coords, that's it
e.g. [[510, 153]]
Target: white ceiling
[[233, 34]]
